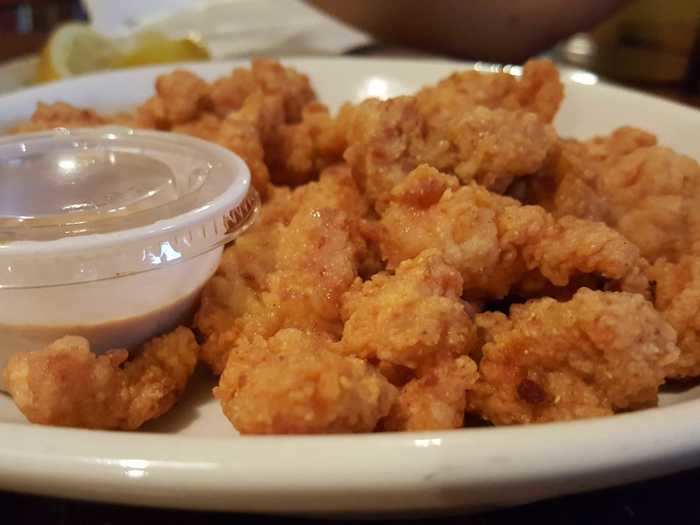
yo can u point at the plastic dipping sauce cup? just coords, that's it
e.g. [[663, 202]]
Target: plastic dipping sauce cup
[[111, 233]]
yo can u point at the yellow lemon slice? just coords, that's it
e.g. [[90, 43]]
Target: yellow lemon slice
[[75, 49], [154, 48]]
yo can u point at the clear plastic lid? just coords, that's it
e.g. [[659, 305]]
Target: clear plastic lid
[[90, 204]]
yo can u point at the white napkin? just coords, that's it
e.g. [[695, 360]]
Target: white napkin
[[231, 27]]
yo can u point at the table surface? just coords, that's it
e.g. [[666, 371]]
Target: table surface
[[653, 502]]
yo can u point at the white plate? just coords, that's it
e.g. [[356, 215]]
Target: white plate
[[193, 459]]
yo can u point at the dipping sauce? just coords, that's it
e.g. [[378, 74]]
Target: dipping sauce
[[111, 233]]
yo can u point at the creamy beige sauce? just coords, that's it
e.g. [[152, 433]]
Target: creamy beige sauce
[[122, 333]]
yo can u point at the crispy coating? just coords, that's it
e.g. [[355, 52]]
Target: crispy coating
[[495, 146], [316, 264], [538, 90], [294, 87], [68, 385], [677, 291], [302, 150], [180, 97], [598, 353], [435, 400], [295, 383], [388, 139], [409, 317], [60, 115], [290, 270], [494, 241], [336, 188], [268, 77], [245, 113], [231, 303], [228, 93], [206, 127], [246, 131], [649, 193], [359, 300]]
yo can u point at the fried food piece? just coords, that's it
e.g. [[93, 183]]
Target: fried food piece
[[495, 146], [409, 317], [180, 97], [677, 291], [231, 303], [246, 131], [336, 188], [301, 151], [436, 399], [290, 270], [538, 90], [60, 115], [599, 353], [494, 241], [317, 263], [206, 127], [293, 87], [649, 193], [268, 77], [68, 385], [388, 139], [295, 383], [228, 93], [314, 263]]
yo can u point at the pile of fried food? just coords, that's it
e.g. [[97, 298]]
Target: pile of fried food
[[417, 261]]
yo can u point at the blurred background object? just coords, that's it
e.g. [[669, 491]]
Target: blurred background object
[[650, 44], [129, 33], [25, 25], [646, 42], [231, 28]]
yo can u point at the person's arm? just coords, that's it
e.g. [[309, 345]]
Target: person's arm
[[500, 30]]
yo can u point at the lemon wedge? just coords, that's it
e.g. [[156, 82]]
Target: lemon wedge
[[75, 49], [154, 48]]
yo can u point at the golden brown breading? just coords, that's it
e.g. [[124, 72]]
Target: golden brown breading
[[295, 383], [293, 87], [206, 127], [228, 93], [410, 317], [289, 270], [60, 115], [68, 385], [538, 90], [314, 263], [246, 131], [436, 399], [317, 262], [180, 97], [549, 361], [493, 241], [268, 77], [677, 291], [388, 139], [649, 193], [231, 302], [301, 151]]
